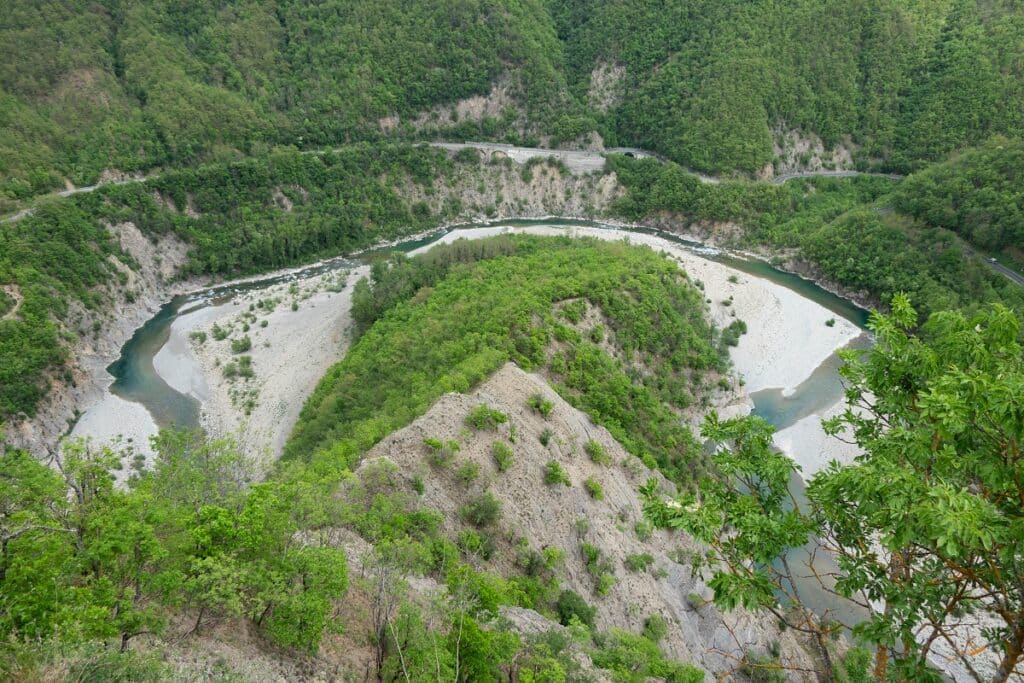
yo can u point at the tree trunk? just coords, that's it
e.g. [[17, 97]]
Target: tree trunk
[[1014, 651]]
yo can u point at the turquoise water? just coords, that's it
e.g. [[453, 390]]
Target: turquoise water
[[137, 380]]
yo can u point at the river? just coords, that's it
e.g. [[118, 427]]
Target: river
[[136, 380]]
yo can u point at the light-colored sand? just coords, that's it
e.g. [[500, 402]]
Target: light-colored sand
[[118, 423], [289, 356], [806, 443], [786, 340], [176, 363]]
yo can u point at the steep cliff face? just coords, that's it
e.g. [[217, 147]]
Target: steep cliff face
[[146, 282]]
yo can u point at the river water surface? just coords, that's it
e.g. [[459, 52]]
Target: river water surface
[[135, 378]]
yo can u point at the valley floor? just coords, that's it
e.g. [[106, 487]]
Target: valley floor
[[787, 339]]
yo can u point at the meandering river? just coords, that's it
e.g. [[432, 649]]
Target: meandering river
[[137, 380]]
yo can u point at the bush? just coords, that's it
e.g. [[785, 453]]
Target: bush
[[440, 453], [241, 345], [485, 417], [731, 334], [639, 562], [593, 487], [541, 405], [655, 628], [644, 530], [474, 543], [502, 454], [831, 322], [468, 472], [597, 453], [545, 437], [571, 604], [198, 336], [484, 510], [555, 474], [219, 333], [240, 368]]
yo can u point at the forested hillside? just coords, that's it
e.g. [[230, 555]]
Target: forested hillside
[[713, 84], [707, 82], [86, 86]]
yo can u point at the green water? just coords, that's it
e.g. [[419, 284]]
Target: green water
[[137, 380]]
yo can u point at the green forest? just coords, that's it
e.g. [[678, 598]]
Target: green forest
[[874, 146], [208, 539], [126, 85]]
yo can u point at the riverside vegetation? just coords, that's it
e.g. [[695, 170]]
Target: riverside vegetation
[[195, 537], [277, 132]]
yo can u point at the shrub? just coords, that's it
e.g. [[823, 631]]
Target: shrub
[[655, 628], [571, 604], [545, 437], [468, 472], [644, 530], [597, 453], [502, 454], [440, 453], [482, 511], [593, 487], [263, 323], [241, 345], [555, 474], [604, 583], [472, 542], [597, 334], [198, 336], [539, 404], [831, 322], [485, 417], [731, 334], [219, 333], [639, 562], [240, 368]]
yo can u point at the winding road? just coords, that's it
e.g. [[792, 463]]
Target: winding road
[[578, 162]]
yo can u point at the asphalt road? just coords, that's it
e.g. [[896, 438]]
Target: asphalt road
[[577, 161]]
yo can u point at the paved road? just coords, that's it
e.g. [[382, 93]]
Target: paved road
[[67, 193], [1011, 274], [578, 162]]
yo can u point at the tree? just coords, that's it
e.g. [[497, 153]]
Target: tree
[[927, 522], [939, 490]]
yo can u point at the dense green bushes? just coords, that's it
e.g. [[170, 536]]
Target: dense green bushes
[[133, 85], [707, 82], [230, 214]]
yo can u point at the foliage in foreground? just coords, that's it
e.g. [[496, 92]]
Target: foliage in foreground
[[83, 560], [928, 521]]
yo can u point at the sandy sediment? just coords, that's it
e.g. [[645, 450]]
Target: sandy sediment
[[117, 423], [290, 351], [787, 339]]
